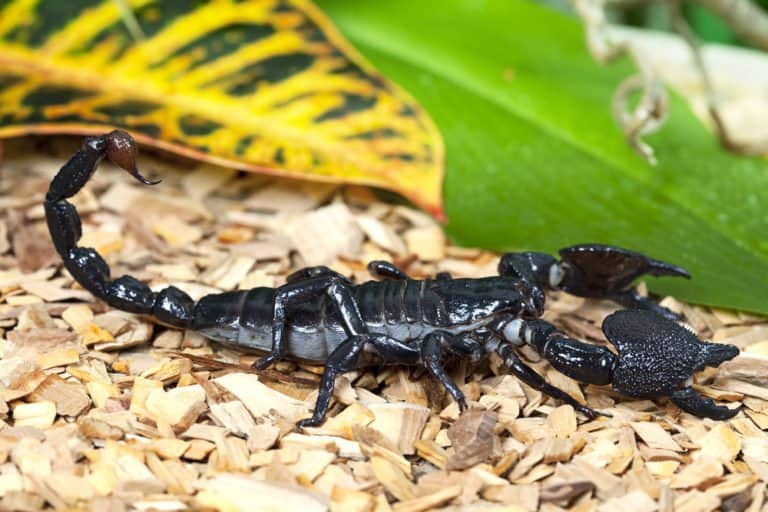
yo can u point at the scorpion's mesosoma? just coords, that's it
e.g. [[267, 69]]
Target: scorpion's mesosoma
[[320, 316]]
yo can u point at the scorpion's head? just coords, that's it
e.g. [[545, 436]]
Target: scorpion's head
[[535, 267]]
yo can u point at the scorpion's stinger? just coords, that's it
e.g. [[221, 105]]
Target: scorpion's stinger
[[121, 150], [171, 305]]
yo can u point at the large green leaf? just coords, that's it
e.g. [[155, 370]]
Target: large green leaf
[[535, 161]]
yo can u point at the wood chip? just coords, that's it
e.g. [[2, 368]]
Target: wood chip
[[429, 501], [80, 318], [176, 232], [655, 436], [472, 438], [721, 443], [392, 478], [702, 470], [38, 414], [400, 423], [427, 243], [323, 234]]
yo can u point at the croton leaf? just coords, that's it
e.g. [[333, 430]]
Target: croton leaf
[[263, 85]]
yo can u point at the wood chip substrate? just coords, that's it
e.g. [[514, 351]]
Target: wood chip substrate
[[102, 410]]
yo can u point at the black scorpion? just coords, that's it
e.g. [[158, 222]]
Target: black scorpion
[[320, 316]]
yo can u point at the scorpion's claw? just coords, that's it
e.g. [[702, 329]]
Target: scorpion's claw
[[595, 270], [657, 357], [121, 150], [691, 401], [606, 271]]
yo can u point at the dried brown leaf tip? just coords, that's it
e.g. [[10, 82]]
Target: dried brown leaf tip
[[103, 410]]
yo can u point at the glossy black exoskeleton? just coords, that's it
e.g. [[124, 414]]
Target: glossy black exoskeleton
[[320, 316]]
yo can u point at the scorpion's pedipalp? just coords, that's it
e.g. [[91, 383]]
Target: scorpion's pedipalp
[[657, 357], [607, 272], [597, 270]]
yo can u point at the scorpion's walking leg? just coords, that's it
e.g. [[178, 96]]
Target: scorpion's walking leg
[[298, 291], [348, 356], [536, 381], [433, 348]]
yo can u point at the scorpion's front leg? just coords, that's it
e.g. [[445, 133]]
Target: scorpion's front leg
[[593, 270]]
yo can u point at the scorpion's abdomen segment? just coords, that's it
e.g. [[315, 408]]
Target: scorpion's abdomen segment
[[244, 319], [218, 316]]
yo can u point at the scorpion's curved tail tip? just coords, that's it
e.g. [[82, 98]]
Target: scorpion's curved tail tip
[[121, 151]]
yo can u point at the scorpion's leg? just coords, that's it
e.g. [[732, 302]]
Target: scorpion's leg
[[536, 381], [382, 269], [433, 348], [348, 356], [300, 291]]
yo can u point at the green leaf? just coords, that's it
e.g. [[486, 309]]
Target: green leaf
[[535, 161]]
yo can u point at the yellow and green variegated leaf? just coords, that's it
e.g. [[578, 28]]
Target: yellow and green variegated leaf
[[264, 85]]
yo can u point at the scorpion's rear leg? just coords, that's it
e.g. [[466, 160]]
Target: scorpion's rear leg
[[433, 349], [348, 356]]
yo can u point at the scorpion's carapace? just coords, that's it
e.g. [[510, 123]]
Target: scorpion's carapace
[[321, 316]]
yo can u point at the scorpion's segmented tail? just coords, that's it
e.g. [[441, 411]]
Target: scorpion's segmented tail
[[171, 305]]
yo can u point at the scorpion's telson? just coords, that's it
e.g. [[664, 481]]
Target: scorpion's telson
[[321, 316]]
